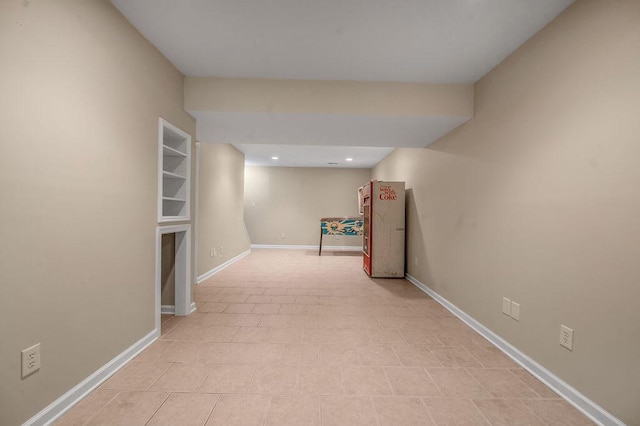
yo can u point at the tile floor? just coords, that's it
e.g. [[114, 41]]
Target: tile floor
[[284, 337]]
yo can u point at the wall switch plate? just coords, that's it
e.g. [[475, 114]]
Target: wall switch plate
[[30, 360], [566, 337], [506, 306], [515, 311]]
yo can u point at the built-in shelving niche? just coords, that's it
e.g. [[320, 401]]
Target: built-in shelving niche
[[174, 179]]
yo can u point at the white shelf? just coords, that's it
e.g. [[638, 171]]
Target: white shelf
[[167, 151], [174, 173], [170, 175]]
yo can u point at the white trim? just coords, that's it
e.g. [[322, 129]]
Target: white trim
[[306, 247], [57, 408], [193, 308], [182, 269], [196, 222], [589, 408], [167, 309], [220, 267]]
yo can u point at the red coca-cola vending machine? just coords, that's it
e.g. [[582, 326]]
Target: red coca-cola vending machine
[[382, 208]]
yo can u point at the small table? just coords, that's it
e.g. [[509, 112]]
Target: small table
[[339, 226]]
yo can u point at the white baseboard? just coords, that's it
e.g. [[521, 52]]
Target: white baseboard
[[168, 309], [562, 388], [58, 407], [219, 268], [305, 247], [193, 308]]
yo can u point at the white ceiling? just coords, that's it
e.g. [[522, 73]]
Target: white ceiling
[[433, 41]]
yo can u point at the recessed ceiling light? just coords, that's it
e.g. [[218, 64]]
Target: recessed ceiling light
[[275, 158], [349, 159]]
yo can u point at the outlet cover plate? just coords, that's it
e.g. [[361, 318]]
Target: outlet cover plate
[[506, 306], [515, 311], [30, 360], [566, 337]]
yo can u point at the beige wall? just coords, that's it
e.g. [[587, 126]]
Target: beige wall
[[291, 201], [328, 97], [82, 91], [220, 208], [537, 198]]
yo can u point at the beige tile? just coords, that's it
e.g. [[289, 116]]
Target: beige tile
[[269, 335], [294, 411], [412, 381], [275, 292], [293, 354], [320, 381], [491, 357], [385, 336], [129, 409], [259, 299], [181, 378], [501, 383], [240, 410], [137, 376], [377, 355], [239, 308], [232, 320], [87, 407], [184, 409], [339, 355], [266, 308], [421, 337], [283, 299], [292, 309], [222, 353], [455, 412], [280, 320], [227, 378], [347, 411], [235, 298], [274, 379], [307, 300], [455, 357], [457, 383], [538, 387], [182, 351], [262, 353], [213, 307], [333, 336], [507, 412], [556, 412], [365, 381], [416, 356], [202, 333], [402, 411], [153, 351]]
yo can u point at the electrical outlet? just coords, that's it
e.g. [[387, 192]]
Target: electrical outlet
[[213, 252], [282, 236], [506, 306], [30, 360], [515, 311], [566, 337]]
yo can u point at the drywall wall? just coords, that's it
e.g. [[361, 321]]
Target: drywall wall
[[291, 201], [82, 91], [275, 96], [537, 199], [220, 205]]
